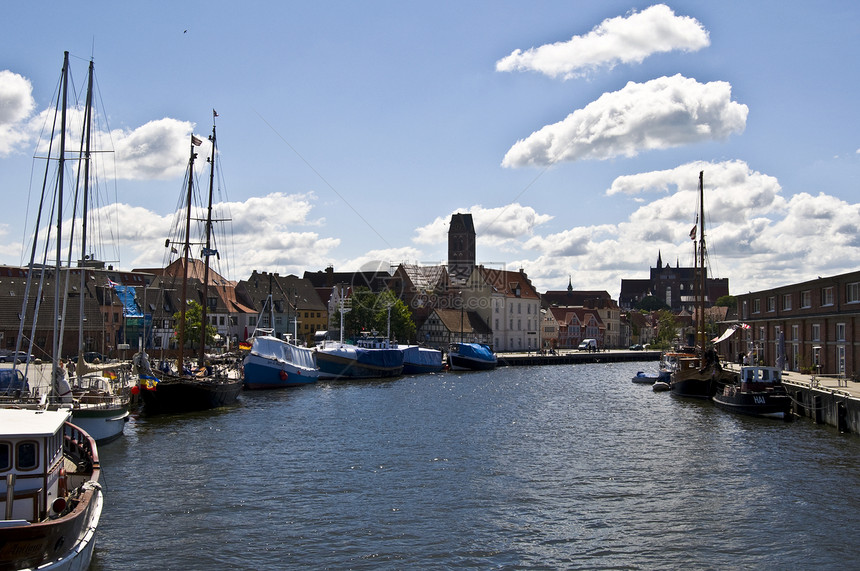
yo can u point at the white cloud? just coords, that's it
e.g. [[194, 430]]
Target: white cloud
[[492, 225], [756, 237], [616, 40], [157, 150], [661, 113], [16, 104]]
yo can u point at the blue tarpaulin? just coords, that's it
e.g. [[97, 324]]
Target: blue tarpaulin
[[126, 296]]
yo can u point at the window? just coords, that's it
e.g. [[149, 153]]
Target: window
[[252, 320], [786, 302], [28, 455], [816, 332], [761, 333], [5, 456], [794, 331], [840, 332], [756, 306], [745, 310], [827, 296], [771, 303], [852, 292], [806, 298]]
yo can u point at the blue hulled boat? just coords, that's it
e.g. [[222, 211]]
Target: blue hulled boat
[[369, 358], [273, 363], [471, 357], [419, 360]]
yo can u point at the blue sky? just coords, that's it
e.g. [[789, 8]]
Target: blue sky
[[349, 132]]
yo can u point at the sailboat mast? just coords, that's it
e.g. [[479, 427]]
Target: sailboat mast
[[83, 269], [207, 251], [700, 318], [60, 178], [185, 254]]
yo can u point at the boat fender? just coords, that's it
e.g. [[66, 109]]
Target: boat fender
[[61, 484], [283, 375]]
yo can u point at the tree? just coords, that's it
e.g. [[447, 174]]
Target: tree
[[193, 317], [667, 329], [369, 312], [726, 301]]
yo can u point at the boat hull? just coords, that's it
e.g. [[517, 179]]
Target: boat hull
[[103, 423], [754, 403], [263, 373], [461, 363], [421, 360], [360, 365], [471, 357], [177, 395]]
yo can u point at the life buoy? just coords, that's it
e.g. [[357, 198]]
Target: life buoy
[[283, 375]]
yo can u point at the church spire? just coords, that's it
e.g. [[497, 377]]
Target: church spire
[[659, 260], [569, 285]]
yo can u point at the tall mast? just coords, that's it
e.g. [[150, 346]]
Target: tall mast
[[87, 137], [60, 177], [206, 250], [185, 255], [700, 318]]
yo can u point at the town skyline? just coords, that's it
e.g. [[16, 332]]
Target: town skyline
[[576, 154]]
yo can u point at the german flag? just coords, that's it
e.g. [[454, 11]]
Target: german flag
[[244, 346]]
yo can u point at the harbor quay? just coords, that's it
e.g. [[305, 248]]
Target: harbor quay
[[573, 357]]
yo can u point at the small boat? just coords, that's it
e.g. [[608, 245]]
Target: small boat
[[419, 360], [759, 392], [49, 492], [471, 357], [661, 386], [370, 358], [644, 378], [97, 408], [273, 363]]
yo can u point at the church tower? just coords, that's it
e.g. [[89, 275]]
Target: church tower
[[461, 246]]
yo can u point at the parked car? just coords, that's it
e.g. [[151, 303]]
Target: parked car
[[17, 357], [636, 347], [588, 345], [90, 357]]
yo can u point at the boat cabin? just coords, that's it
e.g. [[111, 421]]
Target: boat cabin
[[31, 463], [759, 378]]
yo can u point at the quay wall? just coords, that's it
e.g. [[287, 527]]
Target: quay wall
[[835, 406], [574, 357]]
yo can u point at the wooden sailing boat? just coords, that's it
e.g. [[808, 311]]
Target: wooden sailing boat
[[207, 386], [702, 376]]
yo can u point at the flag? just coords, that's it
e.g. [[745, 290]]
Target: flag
[[745, 326], [195, 141], [210, 252], [109, 375], [693, 233], [214, 113], [244, 346], [111, 283]]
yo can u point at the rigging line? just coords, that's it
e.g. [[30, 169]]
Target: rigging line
[[316, 172]]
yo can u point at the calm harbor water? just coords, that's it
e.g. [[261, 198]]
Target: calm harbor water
[[563, 467]]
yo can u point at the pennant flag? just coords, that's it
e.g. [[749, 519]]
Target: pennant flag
[[195, 141], [693, 233], [214, 113]]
